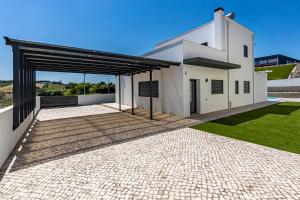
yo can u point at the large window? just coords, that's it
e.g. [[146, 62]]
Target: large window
[[245, 51], [144, 89], [236, 87], [217, 86], [246, 86]]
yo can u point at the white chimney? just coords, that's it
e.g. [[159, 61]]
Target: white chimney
[[219, 28]]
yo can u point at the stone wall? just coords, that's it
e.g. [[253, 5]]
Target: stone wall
[[284, 92]]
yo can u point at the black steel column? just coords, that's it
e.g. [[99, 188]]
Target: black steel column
[[120, 109], [132, 95], [34, 87], [16, 87], [151, 106], [22, 89]]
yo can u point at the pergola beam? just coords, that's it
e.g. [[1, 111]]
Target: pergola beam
[[83, 69], [83, 60], [91, 65], [37, 45]]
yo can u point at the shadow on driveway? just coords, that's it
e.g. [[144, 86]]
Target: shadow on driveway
[[54, 139]]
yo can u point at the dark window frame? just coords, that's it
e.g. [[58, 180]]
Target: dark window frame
[[245, 51], [215, 86], [237, 87], [144, 89], [246, 87]]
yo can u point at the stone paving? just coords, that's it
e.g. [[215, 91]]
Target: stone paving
[[120, 156]]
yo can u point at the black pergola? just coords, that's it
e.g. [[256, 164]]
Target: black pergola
[[29, 57]]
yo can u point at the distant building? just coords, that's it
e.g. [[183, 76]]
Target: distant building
[[274, 60]]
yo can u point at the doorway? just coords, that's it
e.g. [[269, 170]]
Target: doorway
[[193, 96]]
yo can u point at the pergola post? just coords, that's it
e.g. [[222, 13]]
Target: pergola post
[[151, 106], [132, 95], [16, 88], [83, 83], [120, 109]]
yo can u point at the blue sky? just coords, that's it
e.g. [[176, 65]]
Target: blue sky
[[135, 26]]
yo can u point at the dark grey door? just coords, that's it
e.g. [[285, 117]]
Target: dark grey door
[[193, 97]]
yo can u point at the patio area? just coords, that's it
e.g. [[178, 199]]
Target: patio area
[[107, 154]]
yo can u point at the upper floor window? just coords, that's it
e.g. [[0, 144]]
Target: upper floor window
[[204, 43], [246, 51], [217, 86]]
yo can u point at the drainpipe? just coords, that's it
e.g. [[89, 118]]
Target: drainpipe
[[227, 59], [253, 68]]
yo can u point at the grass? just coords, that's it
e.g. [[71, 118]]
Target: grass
[[276, 126], [278, 72]]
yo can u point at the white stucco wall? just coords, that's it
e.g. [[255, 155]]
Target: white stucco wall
[[95, 99], [260, 87], [8, 136], [170, 79], [238, 37], [192, 49], [284, 82], [198, 35], [208, 102]]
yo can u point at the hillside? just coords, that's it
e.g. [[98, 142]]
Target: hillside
[[278, 72], [9, 88]]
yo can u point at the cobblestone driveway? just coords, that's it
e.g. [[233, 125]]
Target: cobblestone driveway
[[70, 159]]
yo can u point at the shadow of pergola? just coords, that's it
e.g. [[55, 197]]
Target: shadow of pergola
[[55, 139]]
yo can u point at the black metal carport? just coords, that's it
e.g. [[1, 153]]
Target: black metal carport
[[29, 57]]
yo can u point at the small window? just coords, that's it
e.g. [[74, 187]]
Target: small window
[[204, 43], [217, 86], [246, 87], [236, 87], [246, 51], [144, 89]]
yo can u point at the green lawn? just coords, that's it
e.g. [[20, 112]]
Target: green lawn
[[278, 72], [276, 126]]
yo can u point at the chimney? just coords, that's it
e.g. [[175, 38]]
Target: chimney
[[219, 28]]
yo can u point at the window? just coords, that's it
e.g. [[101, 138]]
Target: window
[[217, 86], [204, 43], [236, 87], [144, 89], [245, 51], [246, 86]]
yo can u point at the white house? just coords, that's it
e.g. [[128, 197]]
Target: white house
[[216, 71]]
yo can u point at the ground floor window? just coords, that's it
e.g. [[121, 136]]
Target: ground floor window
[[246, 86], [236, 87], [217, 86], [144, 89]]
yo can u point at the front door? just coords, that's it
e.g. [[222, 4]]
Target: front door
[[193, 97]]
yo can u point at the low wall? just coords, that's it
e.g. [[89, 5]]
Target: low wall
[[8, 136], [95, 99], [284, 82], [260, 87]]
